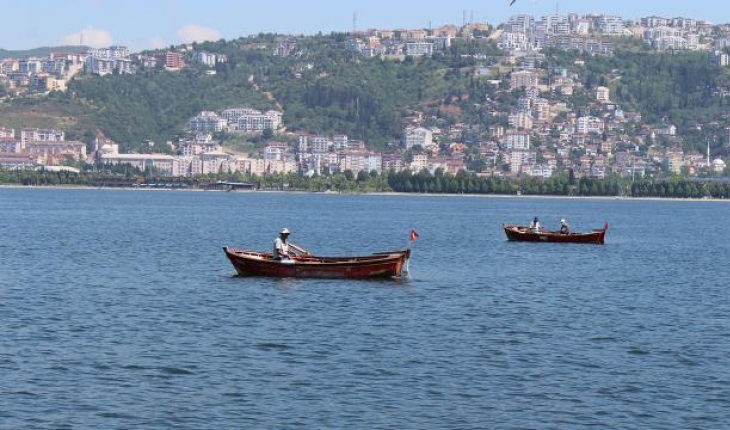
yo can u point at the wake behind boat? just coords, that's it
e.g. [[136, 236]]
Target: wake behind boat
[[526, 234], [389, 264]]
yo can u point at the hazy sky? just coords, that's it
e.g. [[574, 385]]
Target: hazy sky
[[143, 24]]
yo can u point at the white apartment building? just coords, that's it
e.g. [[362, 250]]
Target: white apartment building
[[30, 66], [520, 23], [516, 158], [520, 120], [320, 145], [207, 122], [104, 61], [339, 142], [42, 135], [303, 144], [100, 66], [361, 161], [257, 121], [612, 25], [603, 94], [111, 52], [589, 124], [511, 40], [200, 144], [417, 136], [275, 151], [538, 170], [320, 162], [232, 115], [417, 49], [206, 58], [516, 140], [420, 162]]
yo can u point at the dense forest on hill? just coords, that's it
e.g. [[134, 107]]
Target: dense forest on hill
[[325, 89]]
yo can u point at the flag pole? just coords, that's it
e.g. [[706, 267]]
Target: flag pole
[[412, 239]]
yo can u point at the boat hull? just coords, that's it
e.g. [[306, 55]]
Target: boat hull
[[523, 234], [380, 265]]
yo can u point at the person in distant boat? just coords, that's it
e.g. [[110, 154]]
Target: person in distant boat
[[535, 226], [283, 249], [564, 227]]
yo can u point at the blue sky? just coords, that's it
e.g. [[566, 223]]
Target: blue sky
[[142, 24]]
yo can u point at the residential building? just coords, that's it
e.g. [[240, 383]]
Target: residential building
[[174, 60], [603, 94], [257, 121], [420, 162], [520, 120], [516, 140], [202, 143], [7, 132], [589, 124], [393, 162], [207, 122], [320, 145], [105, 61], [275, 151], [163, 163], [10, 145], [523, 78], [206, 58], [419, 48], [417, 136]]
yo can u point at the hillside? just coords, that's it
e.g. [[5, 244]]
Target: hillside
[[40, 52], [322, 88]]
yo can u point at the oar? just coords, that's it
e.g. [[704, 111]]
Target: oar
[[300, 249]]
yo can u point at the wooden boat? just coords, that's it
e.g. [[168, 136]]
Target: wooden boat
[[388, 264], [523, 234]]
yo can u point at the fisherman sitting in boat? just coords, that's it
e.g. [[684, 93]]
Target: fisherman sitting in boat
[[564, 227], [283, 249], [535, 226]]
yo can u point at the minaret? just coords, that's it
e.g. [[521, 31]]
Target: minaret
[[708, 153]]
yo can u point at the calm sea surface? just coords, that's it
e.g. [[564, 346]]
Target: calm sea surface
[[118, 310]]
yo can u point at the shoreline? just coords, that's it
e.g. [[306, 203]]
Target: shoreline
[[376, 193]]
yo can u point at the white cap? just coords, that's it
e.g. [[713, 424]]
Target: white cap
[[285, 231], [562, 220]]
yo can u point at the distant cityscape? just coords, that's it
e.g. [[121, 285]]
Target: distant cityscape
[[517, 150]]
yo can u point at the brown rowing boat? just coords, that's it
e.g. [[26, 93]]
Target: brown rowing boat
[[525, 234]]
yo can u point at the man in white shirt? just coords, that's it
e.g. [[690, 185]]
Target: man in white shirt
[[564, 227], [285, 250]]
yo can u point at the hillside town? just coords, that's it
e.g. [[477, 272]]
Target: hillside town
[[543, 136]]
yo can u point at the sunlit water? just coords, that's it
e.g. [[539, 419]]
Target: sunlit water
[[118, 310]]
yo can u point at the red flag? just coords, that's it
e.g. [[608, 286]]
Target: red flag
[[414, 235]]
